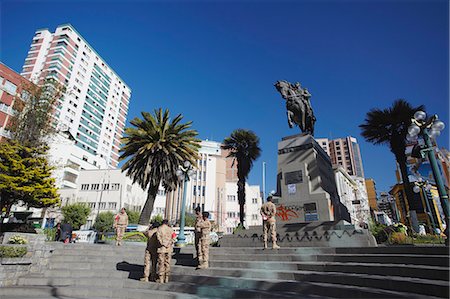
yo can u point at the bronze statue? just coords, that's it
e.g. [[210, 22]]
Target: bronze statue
[[298, 105]]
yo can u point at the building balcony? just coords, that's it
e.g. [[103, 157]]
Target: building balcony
[[67, 184]]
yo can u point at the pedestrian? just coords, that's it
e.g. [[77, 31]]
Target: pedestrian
[[58, 232], [268, 212], [205, 227], [197, 230], [120, 224], [66, 233], [151, 254], [165, 248]]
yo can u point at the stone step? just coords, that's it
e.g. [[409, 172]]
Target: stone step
[[88, 292], [418, 271], [174, 287], [393, 283], [320, 289], [223, 287], [421, 250], [431, 260]]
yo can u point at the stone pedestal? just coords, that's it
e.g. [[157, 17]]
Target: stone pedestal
[[309, 211], [306, 186]]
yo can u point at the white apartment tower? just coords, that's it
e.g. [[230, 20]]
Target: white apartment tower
[[95, 106]]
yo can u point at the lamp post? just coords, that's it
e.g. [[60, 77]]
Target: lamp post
[[183, 173], [430, 128]]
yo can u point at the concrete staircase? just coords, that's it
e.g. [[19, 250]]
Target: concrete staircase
[[105, 271]]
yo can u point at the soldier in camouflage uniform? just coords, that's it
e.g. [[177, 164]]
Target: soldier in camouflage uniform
[[197, 229], [165, 248], [205, 227], [268, 212], [120, 224], [151, 254]]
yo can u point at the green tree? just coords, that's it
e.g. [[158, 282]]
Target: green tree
[[25, 176], [390, 127], [155, 148], [243, 147], [33, 122], [133, 217], [76, 214], [104, 221]]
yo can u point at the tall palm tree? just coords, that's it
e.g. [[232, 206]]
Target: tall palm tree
[[390, 126], [244, 149], [156, 147]]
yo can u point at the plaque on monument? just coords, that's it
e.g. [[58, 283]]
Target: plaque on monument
[[294, 177]]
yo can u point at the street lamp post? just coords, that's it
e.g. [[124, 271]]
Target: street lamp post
[[183, 174], [431, 128]]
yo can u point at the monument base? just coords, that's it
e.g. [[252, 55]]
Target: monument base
[[306, 234]]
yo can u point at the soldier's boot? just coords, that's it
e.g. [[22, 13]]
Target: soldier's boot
[[145, 279], [275, 246], [265, 244]]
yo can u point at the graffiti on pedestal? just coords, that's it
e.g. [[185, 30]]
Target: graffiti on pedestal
[[287, 213]]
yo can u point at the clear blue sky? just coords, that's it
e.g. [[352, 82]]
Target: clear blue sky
[[216, 62]]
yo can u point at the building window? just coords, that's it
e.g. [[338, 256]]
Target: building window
[[85, 158], [194, 190], [91, 205], [10, 88], [105, 186], [254, 216], [231, 198], [204, 176], [84, 186], [115, 186], [102, 205], [203, 191], [254, 200], [95, 186], [112, 205]]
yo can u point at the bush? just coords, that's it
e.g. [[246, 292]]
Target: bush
[[133, 217], [76, 214], [135, 237], [12, 251], [158, 218], [16, 239], [104, 222], [398, 238], [50, 233], [238, 229]]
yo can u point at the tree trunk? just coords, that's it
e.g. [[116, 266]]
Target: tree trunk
[[241, 200], [401, 160], [146, 213]]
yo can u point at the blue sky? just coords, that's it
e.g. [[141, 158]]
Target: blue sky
[[216, 62]]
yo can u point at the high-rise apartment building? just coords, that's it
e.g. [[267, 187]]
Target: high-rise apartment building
[[12, 88], [344, 152], [95, 105]]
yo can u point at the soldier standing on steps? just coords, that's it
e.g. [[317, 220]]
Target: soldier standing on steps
[[120, 224], [165, 248], [197, 229], [151, 253], [205, 227], [268, 211]]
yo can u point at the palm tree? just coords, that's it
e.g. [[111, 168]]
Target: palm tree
[[156, 147], [244, 149], [390, 126]]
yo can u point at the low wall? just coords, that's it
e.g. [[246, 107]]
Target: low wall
[[35, 261]]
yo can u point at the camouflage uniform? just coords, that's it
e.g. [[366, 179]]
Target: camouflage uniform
[[165, 249], [268, 211], [120, 224], [203, 246], [151, 254], [197, 232]]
